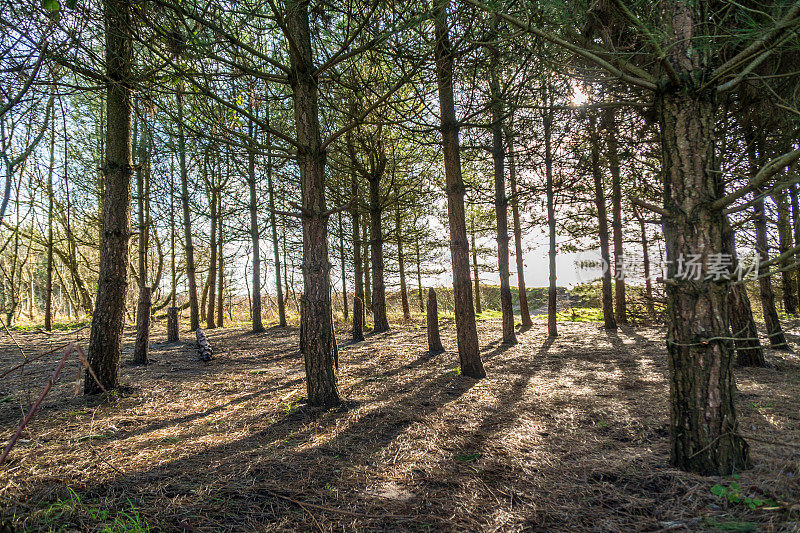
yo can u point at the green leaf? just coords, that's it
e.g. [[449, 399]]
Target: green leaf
[[719, 490], [51, 5]]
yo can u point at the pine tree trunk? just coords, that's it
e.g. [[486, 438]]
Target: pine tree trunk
[[610, 126], [501, 203], [379, 318], [105, 340], [434, 341], [255, 231], [524, 309], [358, 279], [552, 329], [419, 276], [191, 277], [775, 334], [142, 345], [367, 278], [785, 240], [319, 346], [796, 234], [212, 265], [466, 329], [475, 271], [345, 310], [172, 325], [743, 326], [141, 348], [401, 266], [275, 249], [48, 298], [648, 284], [703, 428], [609, 321], [220, 264]]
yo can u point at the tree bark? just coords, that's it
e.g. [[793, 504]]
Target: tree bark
[[609, 321], [524, 309], [419, 276], [275, 249], [172, 325], [796, 233], [552, 329], [703, 427], [475, 271], [319, 347], [401, 265], [379, 319], [358, 294], [466, 329], [434, 341], [255, 231], [48, 298], [610, 126], [220, 263], [212, 265], [785, 243], [141, 349], [345, 309], [194, 309], [648, 284], [501, 202], [743, 326], [105, 339]]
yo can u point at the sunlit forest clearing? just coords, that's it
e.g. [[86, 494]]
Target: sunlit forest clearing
[[263, 265]]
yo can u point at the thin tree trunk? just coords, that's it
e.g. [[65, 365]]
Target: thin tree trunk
[[501, 202], [648, 284], [379, 319], [275, 250], [220, 263], [743, 326], [141, 347], [212, 266], [48, 298], [552, 329], [367, 278], [319, 347], [796, 233], [434, 340], [466, 329], [358, 279], [785, 243], [255, 232], [419, 276], [105, 339], [194, 309], [475, 271], [345, 309], [620, 311], [401, 265], [602, 223], [524, 309]]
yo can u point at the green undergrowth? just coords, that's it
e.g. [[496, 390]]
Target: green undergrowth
[[65, 514]]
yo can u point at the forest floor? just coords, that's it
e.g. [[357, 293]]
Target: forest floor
[[563, 435]]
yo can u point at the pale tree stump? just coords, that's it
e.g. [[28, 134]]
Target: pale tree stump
[[172, 325], [141, 350], [434, 341]]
